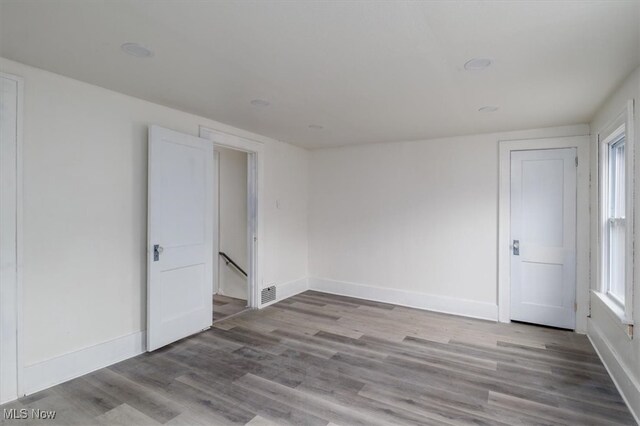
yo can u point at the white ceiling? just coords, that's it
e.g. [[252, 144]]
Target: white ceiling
[[367, 71]]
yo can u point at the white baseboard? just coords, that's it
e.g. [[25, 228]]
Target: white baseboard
[[628, 387], [60, 369], [40, 376], [289, 289], [429, 302]]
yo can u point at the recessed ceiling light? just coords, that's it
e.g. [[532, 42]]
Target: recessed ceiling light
[[137, 50], [260, 103], [316, 127], [488, 108], [476, 64]]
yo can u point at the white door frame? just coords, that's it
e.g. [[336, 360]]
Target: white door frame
[[11, 276], [255, 214], [581, 143], [215, 285]]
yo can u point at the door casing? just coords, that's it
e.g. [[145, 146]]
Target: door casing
[[11, 283], [255, 205], [505, 147]]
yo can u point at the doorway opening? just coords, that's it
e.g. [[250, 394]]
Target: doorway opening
[[240, 263], [230, 279]]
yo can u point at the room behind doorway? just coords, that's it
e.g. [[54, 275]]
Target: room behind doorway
[[231, 284]]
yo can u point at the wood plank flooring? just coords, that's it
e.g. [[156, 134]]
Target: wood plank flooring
[[225, 306], [318, 359]]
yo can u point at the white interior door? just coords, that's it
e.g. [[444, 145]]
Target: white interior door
[[180, 236], [543, 234]]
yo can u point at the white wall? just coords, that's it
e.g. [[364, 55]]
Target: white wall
[[232, 203], [286, 213], [85, 180], [620, 353], [412, 222]]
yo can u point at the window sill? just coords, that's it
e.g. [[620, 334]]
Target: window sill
[[616, 312]]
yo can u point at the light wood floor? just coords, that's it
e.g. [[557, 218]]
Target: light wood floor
[[225, 306], [316, 359]]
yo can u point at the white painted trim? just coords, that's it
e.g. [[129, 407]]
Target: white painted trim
[[624, 118], [581, 143], [255, 217], [13, 332], [288, 289], [75, 364], [614, 311], [429, 302], [216, 224], [256, 204], [625, 382]]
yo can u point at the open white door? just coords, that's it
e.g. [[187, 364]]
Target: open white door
[[180, 236], [543, 233]]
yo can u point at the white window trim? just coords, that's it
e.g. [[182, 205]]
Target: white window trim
[[609, 133]]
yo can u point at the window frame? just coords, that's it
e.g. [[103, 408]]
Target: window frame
[[611, 134], [613, 217]]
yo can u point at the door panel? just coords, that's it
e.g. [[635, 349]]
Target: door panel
[[543, 221], [542, 205], [539, 283], [180, 215]]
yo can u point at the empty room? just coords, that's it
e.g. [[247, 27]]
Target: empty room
[[316, 212]]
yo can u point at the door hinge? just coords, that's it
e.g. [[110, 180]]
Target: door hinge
[[575, 307], [576, 161]]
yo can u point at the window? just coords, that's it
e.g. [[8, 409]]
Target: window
[[616, 212], [615, 224]]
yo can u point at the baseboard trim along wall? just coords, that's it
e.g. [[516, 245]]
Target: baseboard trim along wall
[[429, 302], [288, 289], [42, 375], [37, 377], [628, 387]]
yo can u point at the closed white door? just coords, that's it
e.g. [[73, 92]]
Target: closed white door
[[543, 237], [180, 236]]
